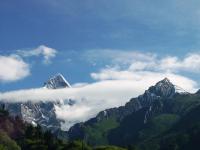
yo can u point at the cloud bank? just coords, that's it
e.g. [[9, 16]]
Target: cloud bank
[[93, 98]]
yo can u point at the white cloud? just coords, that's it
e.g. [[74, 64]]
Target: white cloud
[[81, 84], [121, 57], [135, 61], [13, 68], [47, 52], [191, 63]]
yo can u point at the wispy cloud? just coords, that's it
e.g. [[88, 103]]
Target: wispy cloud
[[47, 52], [115, 56], [135, 61], [190, 63], [13, 68]]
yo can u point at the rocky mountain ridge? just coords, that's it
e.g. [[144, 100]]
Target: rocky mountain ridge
[[151, 102], [40, 113]]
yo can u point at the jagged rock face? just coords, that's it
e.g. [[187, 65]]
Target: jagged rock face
[[56, 82], [163, 88], [42, 113]]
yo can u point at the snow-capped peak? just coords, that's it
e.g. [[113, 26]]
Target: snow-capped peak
[[56, 82], [163, 88], [165, 81]]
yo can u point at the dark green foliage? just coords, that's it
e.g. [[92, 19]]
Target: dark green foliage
[[128, 130], [108, 148], [132, 129], [184, 135], [97, 133], [2, 147], [36, 139], [7, 143], [158, 125], [15, 135], [77, 145], [182, 104]]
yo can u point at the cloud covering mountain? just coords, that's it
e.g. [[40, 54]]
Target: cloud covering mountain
[[93, 98], [126, 75]]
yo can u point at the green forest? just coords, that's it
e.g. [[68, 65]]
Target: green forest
[[17, 135]]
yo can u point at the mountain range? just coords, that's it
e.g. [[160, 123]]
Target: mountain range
[[149, 121]]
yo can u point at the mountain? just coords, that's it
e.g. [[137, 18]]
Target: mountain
[[42, 113], [165, 117], [143, 117], [57, 82], [183, 135]]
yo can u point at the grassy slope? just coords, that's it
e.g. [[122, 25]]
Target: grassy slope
[[132, 130], [184, 135], [158, 125], [97, 133]]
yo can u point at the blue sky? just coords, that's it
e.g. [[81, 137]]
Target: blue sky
[[75, 29]]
